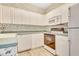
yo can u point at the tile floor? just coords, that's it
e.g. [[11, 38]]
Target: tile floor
[[36, 52]]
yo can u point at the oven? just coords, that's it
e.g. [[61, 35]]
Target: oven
[[49, 43], [49, 40]]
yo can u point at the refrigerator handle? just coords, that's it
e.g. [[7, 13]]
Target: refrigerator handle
[[69, 13], [69, 45]]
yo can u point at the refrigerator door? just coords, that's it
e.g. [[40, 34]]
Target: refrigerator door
[[74, 42], [74, 16]]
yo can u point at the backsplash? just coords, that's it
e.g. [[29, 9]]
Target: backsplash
[[21, 27], [29, 28], [65, 25]]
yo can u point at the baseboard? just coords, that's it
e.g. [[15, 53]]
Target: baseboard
[[23, 51]]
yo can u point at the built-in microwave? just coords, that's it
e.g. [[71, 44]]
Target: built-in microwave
[[64, 30]]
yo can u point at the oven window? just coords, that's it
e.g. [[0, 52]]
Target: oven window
[[49, 40]]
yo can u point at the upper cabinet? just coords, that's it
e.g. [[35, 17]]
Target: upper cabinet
[[0, 14], [19, 16], [6, 14], [37, 19], [33, 18], [64, 12], [59, 15], [28, 17]]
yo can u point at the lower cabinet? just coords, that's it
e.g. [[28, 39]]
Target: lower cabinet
[[62, 45], [37, 40], [24, 42], [29, 41]]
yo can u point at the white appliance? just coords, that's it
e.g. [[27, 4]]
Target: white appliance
[[74, 30]]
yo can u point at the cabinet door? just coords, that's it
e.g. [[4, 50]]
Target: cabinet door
[[36, 19], [17, 16], [64, 14], [37, 40], [6, 17], [62, 46], [0, 14], [24, 42], [12, 14], [40, 20], [52, 21], [33, 18], [25, 17], [21, 17]]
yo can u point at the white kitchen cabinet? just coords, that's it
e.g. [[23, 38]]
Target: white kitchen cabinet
[[6, 15], [51, 19], [58, 16], [25, 17], [60, 11], [64, 13], [54, 17], [21, 17], [33, 18], [12, 14], [17, 17], [55, 20], [24, 42], [37, 40], [62, 45], [0, 13], [42, 20], [29, 41], [37, 19]]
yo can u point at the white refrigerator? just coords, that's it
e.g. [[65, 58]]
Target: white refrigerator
[[73, 31]]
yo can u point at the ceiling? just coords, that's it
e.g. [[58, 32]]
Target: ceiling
[[42, 8], [41, 5]]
